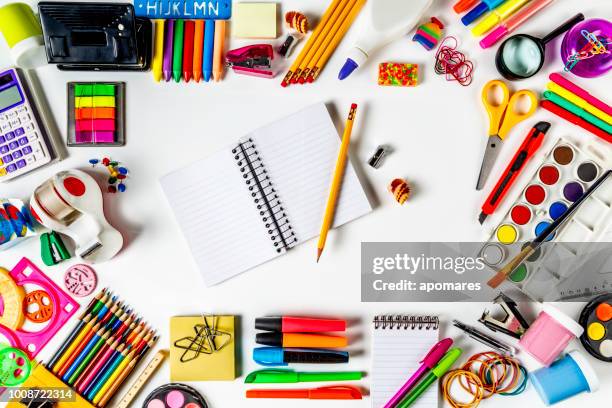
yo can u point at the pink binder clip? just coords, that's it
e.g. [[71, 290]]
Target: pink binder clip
[[254, 60]]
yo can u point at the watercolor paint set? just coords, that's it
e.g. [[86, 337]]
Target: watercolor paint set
[[596, 318], [175, 395], [565, 174]]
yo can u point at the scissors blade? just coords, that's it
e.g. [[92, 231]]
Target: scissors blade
[[491, 152]]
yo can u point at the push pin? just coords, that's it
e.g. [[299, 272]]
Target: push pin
[[378, 156], [400, 190], [117, 174]]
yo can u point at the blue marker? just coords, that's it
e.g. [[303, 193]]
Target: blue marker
[[209, 45], [479, 10]]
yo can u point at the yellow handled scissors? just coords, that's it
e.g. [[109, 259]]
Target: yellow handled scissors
[[502, 117]]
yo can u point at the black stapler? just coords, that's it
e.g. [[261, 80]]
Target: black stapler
[[95, 36]]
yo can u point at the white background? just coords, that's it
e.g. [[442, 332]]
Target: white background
[[437, 131]]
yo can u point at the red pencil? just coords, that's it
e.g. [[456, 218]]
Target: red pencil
[[188, 50], [576, 120]]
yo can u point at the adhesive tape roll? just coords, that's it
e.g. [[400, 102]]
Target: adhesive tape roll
[[23, 34]]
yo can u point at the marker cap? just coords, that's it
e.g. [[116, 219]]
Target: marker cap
[[269, 356], [446, 362]]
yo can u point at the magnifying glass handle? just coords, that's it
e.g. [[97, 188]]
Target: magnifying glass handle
[[563, 27]]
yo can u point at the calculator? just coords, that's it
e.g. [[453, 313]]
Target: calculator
[[24, 142]]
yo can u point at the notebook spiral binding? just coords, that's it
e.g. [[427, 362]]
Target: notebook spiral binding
[[406, 322], [264, 195]]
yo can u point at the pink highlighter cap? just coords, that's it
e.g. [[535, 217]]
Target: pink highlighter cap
[[437, 352], [493, 37]]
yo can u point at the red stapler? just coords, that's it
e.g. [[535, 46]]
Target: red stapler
[[254, 60]]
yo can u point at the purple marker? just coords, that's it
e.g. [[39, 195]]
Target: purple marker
[[429, 361], [168, 43]]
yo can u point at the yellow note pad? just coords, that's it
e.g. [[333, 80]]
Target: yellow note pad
[[219, 365], [254, 20], [94, 102]]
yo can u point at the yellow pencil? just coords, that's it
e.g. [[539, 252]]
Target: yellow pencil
[[218, 51], [330, 208], [75, 343], [332, 7], [329, 36], [114, 375], [331, 25], [158, 53], [314, 73]]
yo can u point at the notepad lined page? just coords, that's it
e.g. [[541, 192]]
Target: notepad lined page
[[300, 153], [218, 218], [396, 353]]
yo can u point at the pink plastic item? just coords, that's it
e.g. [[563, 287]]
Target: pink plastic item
[[548, 336]]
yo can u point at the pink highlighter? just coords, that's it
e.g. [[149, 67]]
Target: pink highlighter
[[429, 361], [513, 22]]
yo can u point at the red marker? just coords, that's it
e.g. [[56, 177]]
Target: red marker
[[576, 120], [339, 392], [188, 50], [288, 324], [530, 145]]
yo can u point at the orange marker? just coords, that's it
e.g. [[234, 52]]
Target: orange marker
[[301, 340], [218, 49], [343, 392], [198, 45]]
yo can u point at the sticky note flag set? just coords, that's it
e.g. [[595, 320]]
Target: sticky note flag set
[[394, 74], [96, 113]]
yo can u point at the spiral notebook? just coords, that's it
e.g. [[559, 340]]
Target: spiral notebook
[[399, 343], [266, 193]]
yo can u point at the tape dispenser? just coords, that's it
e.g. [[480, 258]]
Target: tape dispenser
[[71, 203]]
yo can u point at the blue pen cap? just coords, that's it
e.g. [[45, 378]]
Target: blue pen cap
[[474, 13], [269, 356]]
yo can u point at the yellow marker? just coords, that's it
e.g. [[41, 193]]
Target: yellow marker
[[158, 53], [218, 49], [496, 16], [578, 101], [330, 208]]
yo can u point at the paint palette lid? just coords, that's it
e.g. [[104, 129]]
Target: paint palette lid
[[586, 369], [564, 320]]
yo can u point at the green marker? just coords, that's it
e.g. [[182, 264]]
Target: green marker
[[289, 376], [438, 371], [177, 56], [576, 110]]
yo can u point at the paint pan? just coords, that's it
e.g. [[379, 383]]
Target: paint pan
[[596, 319]]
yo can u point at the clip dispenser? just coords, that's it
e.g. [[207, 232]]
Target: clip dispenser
[[254, 60], [513, 323], [52, 249]]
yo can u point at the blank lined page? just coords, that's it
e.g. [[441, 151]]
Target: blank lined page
[[300, 153], [218, 218], [396, 353]]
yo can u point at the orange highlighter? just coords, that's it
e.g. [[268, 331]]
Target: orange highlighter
[[300, 340], [344, 392]]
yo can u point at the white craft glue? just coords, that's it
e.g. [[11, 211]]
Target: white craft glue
[[387, 20]]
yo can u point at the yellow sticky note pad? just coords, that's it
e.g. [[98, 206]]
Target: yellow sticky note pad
[[187, 363], [254, 20]]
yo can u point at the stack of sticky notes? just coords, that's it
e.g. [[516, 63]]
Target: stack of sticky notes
[[95, 113], [254, 20], [202, 348]]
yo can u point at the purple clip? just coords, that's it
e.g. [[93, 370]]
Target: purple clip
[[254, 60]]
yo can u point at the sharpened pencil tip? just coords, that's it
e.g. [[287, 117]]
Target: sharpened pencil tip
[[319, 252]]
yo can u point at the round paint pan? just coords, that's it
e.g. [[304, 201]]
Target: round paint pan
[[572, 191], [535, 194], [587, 171], [557, 209], [175, 395], [549, 174], [507, 234], [563, 155], [596, 319], [520, 214], [540, 227], [536, 254], [519, 274], [493, 254]]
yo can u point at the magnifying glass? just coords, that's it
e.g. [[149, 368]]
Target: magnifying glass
[[522, 56]]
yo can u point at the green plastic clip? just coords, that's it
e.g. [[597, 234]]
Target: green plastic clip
[[52, 249]]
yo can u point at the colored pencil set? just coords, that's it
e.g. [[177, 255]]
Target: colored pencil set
[[103, 349], [322, 43], [188, 49], [572, 103]]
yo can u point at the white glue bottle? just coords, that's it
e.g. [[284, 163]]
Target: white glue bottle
[[387, 20]]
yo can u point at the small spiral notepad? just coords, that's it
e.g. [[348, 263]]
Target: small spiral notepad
[[399, 343], [264, 194]]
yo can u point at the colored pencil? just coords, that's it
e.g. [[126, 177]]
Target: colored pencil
[[168, 44], [198, 43], [188, 50], [177, 56], [209, 44], [126, 354], [102, 371], [101, 358], [218, 52], [311, 40], [158, 53], [88, 351], [316, 71], [330, 208], [327, 38]]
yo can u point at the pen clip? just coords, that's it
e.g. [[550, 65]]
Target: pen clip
[[253, 376]]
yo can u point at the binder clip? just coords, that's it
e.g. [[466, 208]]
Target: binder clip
[[254, 60], [512, 323], [52, 249], [71, 204]]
